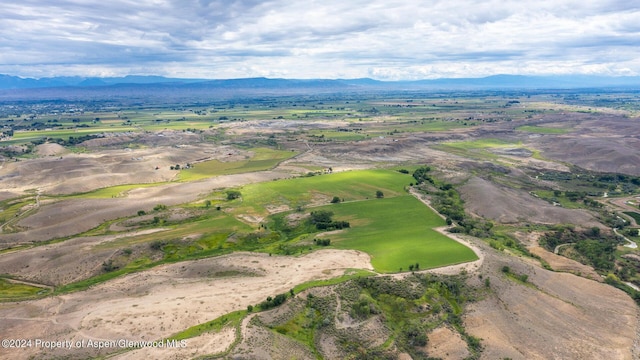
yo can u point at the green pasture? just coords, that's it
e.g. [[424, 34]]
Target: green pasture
[[10, 291], [397, 232], [22, 137], [477, 149], [542, 130], [320, 189], [263, 159], [111, 191], [434, 125], [483, 144]]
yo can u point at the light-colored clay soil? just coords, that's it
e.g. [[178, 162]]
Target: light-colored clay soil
[[165, 300], [507, 205], [205, 344], [64, 262], [561, 316], [563, 264], [446, 344]]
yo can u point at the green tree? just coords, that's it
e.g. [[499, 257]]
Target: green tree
[[379, 194], [233, 194]]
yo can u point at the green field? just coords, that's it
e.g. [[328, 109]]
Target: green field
[[10, 290], [302, 192], [263, 159], [542, 130], [397, 232]]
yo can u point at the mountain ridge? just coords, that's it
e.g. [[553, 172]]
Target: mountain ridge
[[8, 82]]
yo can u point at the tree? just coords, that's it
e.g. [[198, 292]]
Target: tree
[[379, 194], [233, 194], [335, 200]]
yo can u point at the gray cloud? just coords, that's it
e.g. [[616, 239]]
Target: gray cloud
[[383, 39]]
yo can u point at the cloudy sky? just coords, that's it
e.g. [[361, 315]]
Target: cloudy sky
[[381, 39]]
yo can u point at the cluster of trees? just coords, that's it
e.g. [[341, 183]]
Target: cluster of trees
[[595, 248], [322, 242], [178, 167], [233, 194], [322, 219], [272, 302], [421, 175], [108, 266]]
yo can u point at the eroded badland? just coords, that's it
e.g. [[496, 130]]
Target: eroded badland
[[407, 225]]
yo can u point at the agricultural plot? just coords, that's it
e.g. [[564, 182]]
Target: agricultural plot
[[263, 159], [397, 233], [290, 194], [397, 230]]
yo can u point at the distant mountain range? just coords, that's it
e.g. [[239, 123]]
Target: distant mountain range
[[8, 82]]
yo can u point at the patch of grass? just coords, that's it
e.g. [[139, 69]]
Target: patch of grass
[[477, 149], [542, 130], [349, 274], [111, 191], [302, 327], [10, 291], [263, 159], [231, 319]]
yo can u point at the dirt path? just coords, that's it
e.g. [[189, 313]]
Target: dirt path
[[452, 269], [630, 244], [424, 200]]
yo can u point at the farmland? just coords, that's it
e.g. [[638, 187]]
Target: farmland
[[319, 222]]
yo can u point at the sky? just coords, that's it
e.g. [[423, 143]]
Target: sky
[[380, 39]]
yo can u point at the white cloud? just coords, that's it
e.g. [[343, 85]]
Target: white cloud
[[306, 39]]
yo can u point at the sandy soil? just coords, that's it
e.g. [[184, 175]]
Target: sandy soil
[[602, 143], [68, 172], [64, 262], [168, 299], [507, 205], [205, 344], [561, 263], [561, 316], [446, 344]]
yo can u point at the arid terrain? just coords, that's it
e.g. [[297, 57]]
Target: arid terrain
[[78, 216]]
